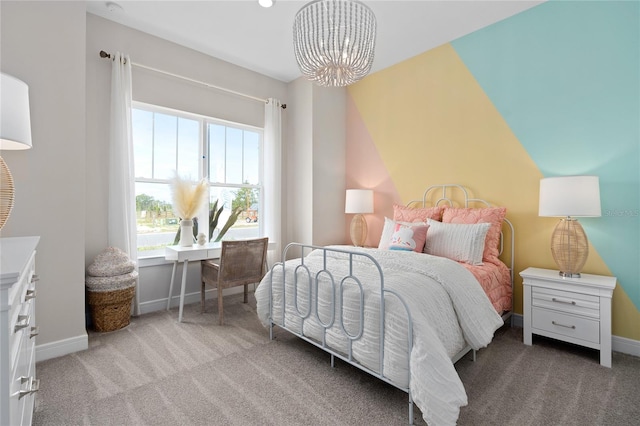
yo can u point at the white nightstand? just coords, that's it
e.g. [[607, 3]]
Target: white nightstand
[[574, 310]]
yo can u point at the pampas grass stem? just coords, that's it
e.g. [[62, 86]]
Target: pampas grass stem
[[188, 197]]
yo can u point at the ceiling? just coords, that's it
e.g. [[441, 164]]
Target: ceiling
[[260, 39]]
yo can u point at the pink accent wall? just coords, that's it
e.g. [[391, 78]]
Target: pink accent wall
[[366, 170]]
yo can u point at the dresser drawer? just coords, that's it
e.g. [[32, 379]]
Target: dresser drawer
[[566, 325], [21, 312], [566, 301]]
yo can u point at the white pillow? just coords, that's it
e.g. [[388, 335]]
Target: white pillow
[[388, 229], [457, 241]]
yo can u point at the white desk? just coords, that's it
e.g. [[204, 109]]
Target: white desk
[[185, 254]]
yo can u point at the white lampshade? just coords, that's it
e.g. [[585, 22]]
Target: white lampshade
[[359, 201], [15, 121], [570, 196]]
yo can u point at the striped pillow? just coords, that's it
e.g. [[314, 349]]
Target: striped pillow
[[457, 241]]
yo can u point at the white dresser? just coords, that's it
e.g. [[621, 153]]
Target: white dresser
[[18, 381], [574, 310]]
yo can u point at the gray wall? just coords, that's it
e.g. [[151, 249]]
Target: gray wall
[[42, 43], [61, 183]]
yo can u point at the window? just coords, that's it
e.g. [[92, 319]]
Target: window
[[228, 154]]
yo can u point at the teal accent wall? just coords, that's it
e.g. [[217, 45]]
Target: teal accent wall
[[565, 76]]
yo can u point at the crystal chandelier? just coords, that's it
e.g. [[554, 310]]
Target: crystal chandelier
[[334, 41]]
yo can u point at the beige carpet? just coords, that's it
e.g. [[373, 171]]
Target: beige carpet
[[157, 371]]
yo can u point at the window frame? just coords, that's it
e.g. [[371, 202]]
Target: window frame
[[203, 165]]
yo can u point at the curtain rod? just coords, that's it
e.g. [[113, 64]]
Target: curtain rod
[[104, 54]]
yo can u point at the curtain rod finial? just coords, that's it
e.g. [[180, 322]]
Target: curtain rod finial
[[104, 54]]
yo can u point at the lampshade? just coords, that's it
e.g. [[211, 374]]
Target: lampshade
[[334, 41], [569, 197], [15, 120], [15, 133], [576, 196], [359, 201]]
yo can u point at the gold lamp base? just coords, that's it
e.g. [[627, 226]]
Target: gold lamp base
[[358, 230], [569, 247]]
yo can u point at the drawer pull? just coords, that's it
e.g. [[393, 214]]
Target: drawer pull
[[34, 386], [23, 322], [35, 278], [573, 327], [553, 299], [34, 332], [31, 294]]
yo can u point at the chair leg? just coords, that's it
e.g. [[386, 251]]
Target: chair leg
[[202, 297], [246, 293], [220, 311]]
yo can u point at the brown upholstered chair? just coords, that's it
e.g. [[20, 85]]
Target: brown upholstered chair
[[241, 262]]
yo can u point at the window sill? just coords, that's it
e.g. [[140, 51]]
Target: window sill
[[152, 260]]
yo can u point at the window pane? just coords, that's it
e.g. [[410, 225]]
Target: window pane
[[142, 123], [188, 148], [156, 224], [165, 132], [251, 158], [217, 153], [234, 156], [246, 225]]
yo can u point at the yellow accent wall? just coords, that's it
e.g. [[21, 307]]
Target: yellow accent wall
[[431, 123]]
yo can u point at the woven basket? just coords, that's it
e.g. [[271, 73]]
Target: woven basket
[[111, 310]]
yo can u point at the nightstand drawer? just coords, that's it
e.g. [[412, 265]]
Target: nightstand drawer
[[566, 325], [566, 301]]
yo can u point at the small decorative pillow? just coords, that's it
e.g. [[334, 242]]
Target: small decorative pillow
[[416, 214], [459, 242], [389, 229], [408, 237], [493, 215]]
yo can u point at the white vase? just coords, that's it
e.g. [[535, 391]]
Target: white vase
[[186, 233]]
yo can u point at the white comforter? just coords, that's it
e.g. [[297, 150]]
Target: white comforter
[[448, 307]]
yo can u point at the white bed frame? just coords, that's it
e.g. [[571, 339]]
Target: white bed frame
[[298, 251]]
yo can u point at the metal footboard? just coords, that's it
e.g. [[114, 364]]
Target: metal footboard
[[312, 280]]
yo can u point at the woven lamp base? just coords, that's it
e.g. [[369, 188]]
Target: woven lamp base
[[569, 247], [7, 191], [358, 230]]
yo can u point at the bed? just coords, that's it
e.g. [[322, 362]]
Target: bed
[[433, 290]]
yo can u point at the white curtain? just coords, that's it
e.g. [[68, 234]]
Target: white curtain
[[122, 203], [273, 178]]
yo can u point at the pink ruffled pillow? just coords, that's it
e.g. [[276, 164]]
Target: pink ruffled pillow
[[416, 214], [493, 215], [408, 237]]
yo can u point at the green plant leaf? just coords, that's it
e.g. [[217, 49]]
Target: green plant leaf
[[232, 219]]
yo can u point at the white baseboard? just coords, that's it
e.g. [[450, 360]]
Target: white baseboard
[[618, 344], [62, 347], [625, 346], [516, 320], [161, 304]]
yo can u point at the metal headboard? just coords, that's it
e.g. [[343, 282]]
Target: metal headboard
[[448, 195]]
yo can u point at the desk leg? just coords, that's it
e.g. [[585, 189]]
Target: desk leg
[[173, 276], [182, 289]]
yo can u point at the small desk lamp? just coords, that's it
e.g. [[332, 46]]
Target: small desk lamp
[[15, 133], [359, 201], [569, 197]]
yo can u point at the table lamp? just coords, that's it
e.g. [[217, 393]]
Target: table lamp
[[15, 133], [569, 197], [359, 201]]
